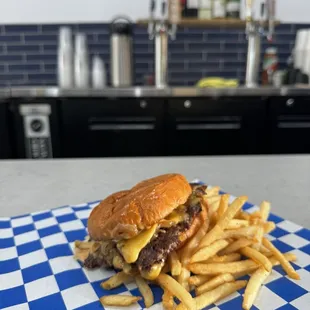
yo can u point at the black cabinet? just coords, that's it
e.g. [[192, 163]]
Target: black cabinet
[[207, 126], [35, 128], [112, 127], [289, 125], [5, 142]]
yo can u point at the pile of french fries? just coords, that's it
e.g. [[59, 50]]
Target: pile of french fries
[[229, 245]]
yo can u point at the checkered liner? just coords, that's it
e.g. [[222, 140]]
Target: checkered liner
[[37, 269]]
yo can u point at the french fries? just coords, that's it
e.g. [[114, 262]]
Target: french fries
[[119, 300], [208, 298], [116, 280], [236, 223], [223, 222], [214, 256], [209, 251], [183, 278], [258, 237], [229, 258], [146, 291], [168, 283], [194, 242], [257, 257], [247, 232], [255, 282], [175, 264], [214, 282], [168, 302], [281, 258], [236, 246], [223, 206], [218, 268], [198, 279], [264, 210], [212, 191]]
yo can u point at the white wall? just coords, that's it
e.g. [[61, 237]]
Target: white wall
[[66, 11]]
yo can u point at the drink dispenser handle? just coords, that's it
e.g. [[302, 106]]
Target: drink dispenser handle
[[151, 25]]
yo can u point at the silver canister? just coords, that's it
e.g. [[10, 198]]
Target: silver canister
[[121, 52]]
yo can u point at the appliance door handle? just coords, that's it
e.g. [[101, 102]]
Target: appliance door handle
[[121, 127], [293, 125], [208, 126]]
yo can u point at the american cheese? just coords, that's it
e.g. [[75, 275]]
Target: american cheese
[[153, 273], [131, 248]]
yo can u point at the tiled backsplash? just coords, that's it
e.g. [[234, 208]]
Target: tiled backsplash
[[28, 53]]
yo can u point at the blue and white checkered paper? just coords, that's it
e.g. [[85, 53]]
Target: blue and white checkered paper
[[37, 269]]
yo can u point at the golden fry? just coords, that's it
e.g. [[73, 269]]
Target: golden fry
[[257, 257], [119, 300], [218, 268], [223, 206], [116, 280], [229, 258], [215, 282], [248, 232], [177, 290], [175, 264], [235, 224], [209, 251], [254, 284], [281, 258], [244, 215], [212, 191], [258, 237], [198, 280], [269, 227], [217, 230], [204, 300], [146, 291], [183, 278], [236, 246], [168, 301], [265, 210]]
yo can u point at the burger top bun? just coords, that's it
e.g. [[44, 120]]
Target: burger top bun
[[124, 214]]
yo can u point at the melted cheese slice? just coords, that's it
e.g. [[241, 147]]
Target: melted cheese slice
[[153, 273], [131, 248], [175, 217]]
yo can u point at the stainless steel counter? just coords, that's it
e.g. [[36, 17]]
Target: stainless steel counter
[[149, 92]]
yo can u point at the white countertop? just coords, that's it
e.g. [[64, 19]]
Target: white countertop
[[28, 186]]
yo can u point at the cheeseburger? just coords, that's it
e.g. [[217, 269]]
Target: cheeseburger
[[136, 229]]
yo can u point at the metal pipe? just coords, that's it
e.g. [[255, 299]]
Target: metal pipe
[[161, 56], [253, 57]]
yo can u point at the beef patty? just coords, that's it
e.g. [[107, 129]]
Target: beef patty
[[166, 242]]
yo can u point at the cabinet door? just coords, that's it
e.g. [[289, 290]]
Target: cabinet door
[[103, 128], [290, 123], [5, 148], [216, 127]]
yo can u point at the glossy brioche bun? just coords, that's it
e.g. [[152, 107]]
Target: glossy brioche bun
[[124, 214]]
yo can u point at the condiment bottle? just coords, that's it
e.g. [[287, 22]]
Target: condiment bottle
[[270, 65]]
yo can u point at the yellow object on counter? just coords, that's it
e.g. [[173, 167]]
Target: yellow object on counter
[[216, 82]]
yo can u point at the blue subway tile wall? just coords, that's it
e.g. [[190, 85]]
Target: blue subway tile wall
[[28, 53]]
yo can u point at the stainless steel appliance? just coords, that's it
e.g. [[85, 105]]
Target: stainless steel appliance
[[254, 31], [121, 52], [160, 31]]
